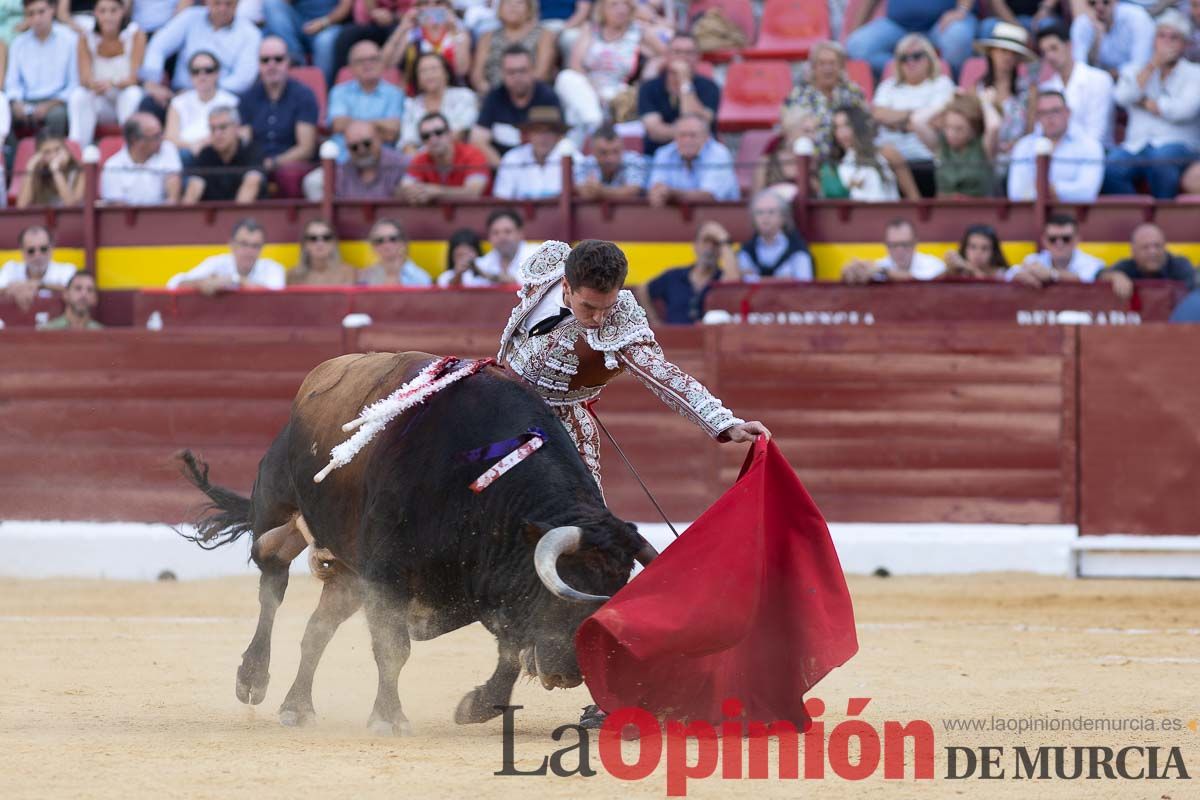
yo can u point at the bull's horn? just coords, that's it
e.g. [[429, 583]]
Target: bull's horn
[[555, 543], [646, 554]]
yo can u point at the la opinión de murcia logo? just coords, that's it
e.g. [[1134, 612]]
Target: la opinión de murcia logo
[[739, 748]]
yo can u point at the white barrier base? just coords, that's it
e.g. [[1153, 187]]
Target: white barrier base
[[136, 551]]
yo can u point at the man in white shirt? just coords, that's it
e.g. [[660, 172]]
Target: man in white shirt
[[146, 171], [502, 264], [533, 171], [21, 281], [242, 267], [1112, 35], [1088, 90], [1163, 101], [1060, 260], [1076, 160], [902, 263], [42, 70]]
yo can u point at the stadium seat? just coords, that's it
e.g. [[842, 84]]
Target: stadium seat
[[392, 76], [313, 78], [109, 147], [972, 72], [754, 92], [739, 12], [25, 150], [890, 69], [789, 28], [859, 72], [750, 151], [851, 12]]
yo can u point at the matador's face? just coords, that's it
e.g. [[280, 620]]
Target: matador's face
[[590, 306]]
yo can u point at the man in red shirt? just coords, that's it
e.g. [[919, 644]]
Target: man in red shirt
[[445, 167]]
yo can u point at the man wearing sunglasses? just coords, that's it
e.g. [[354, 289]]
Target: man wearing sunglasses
[[21, 280], [1112, 36], [280, 115], [445, 168], [373, 172], [227, 168], [1060, 260]]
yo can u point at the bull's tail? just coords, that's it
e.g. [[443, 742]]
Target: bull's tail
[[226, 518]]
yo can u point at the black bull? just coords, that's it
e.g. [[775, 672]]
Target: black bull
[[420, 551]]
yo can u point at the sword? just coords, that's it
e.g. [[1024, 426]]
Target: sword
[[591, 410]]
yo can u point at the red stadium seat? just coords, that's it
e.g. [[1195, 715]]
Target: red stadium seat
[[972, 72], [890, 69], [25, 150], [739, 12], [859, 72], [392, 76], [851, 12], [789, 28], [751, 150], [313, 78], [754, 92], [109, 146]]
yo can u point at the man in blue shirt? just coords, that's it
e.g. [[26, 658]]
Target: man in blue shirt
[[611, 171], [280, 114], [216, 29], [42, 70], [308, 26], [695, 168], [677, 295], [678, 90], [1112, 36], [950, 24], [367, 98]]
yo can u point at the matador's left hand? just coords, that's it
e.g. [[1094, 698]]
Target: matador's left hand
[[745, 432]]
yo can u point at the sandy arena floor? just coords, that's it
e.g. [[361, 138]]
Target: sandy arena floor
[[126, 690]]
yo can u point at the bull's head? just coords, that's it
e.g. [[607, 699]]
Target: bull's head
[[592, 565]]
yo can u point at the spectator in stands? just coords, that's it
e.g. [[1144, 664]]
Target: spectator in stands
[[604, 63], [146, 170], [462, 251], [371, 20], [862, 173], [433, 91], [1163, 101], [902, 263], [566, 19], [1150, 261], [779, 167], [1032, 15], [374, 172], [367, 97], [519, 25], [430, 26], [280, 115], [243, 267], [42, 71], [1060, 260], [694, 168], [214, 28], [611, 171], [1076, 161], [506, 235], [979, 255], [533, 171], [1192, 53], [823, 87], [775, 250], [22, 280], [1087, 90], [1112, 35], [918, 84], [678, 90], [80, 300], [151, 15], [949, 23], [320, 262], [505, 108], [227, 168], [962, 135], [109, 59], [676, 297], [392, 267], [53, 176], [444, 168], [308, 27], [1005, 88], [187, 115]]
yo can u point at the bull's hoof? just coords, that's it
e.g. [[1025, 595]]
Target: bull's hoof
[[251, 689], [383, 727], [475, 708], [297, 717]]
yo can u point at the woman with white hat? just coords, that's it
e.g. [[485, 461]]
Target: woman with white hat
[[1005, 88]]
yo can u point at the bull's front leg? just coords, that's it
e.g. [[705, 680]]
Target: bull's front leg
[[387, 612], [273, 552], [340, 598], [479, 704]]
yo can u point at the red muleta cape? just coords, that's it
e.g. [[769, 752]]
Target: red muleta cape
[[750, 603]]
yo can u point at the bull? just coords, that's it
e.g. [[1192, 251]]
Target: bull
[[530, 557]]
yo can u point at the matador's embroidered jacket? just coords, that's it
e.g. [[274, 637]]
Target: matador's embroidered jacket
[[571, 364]]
